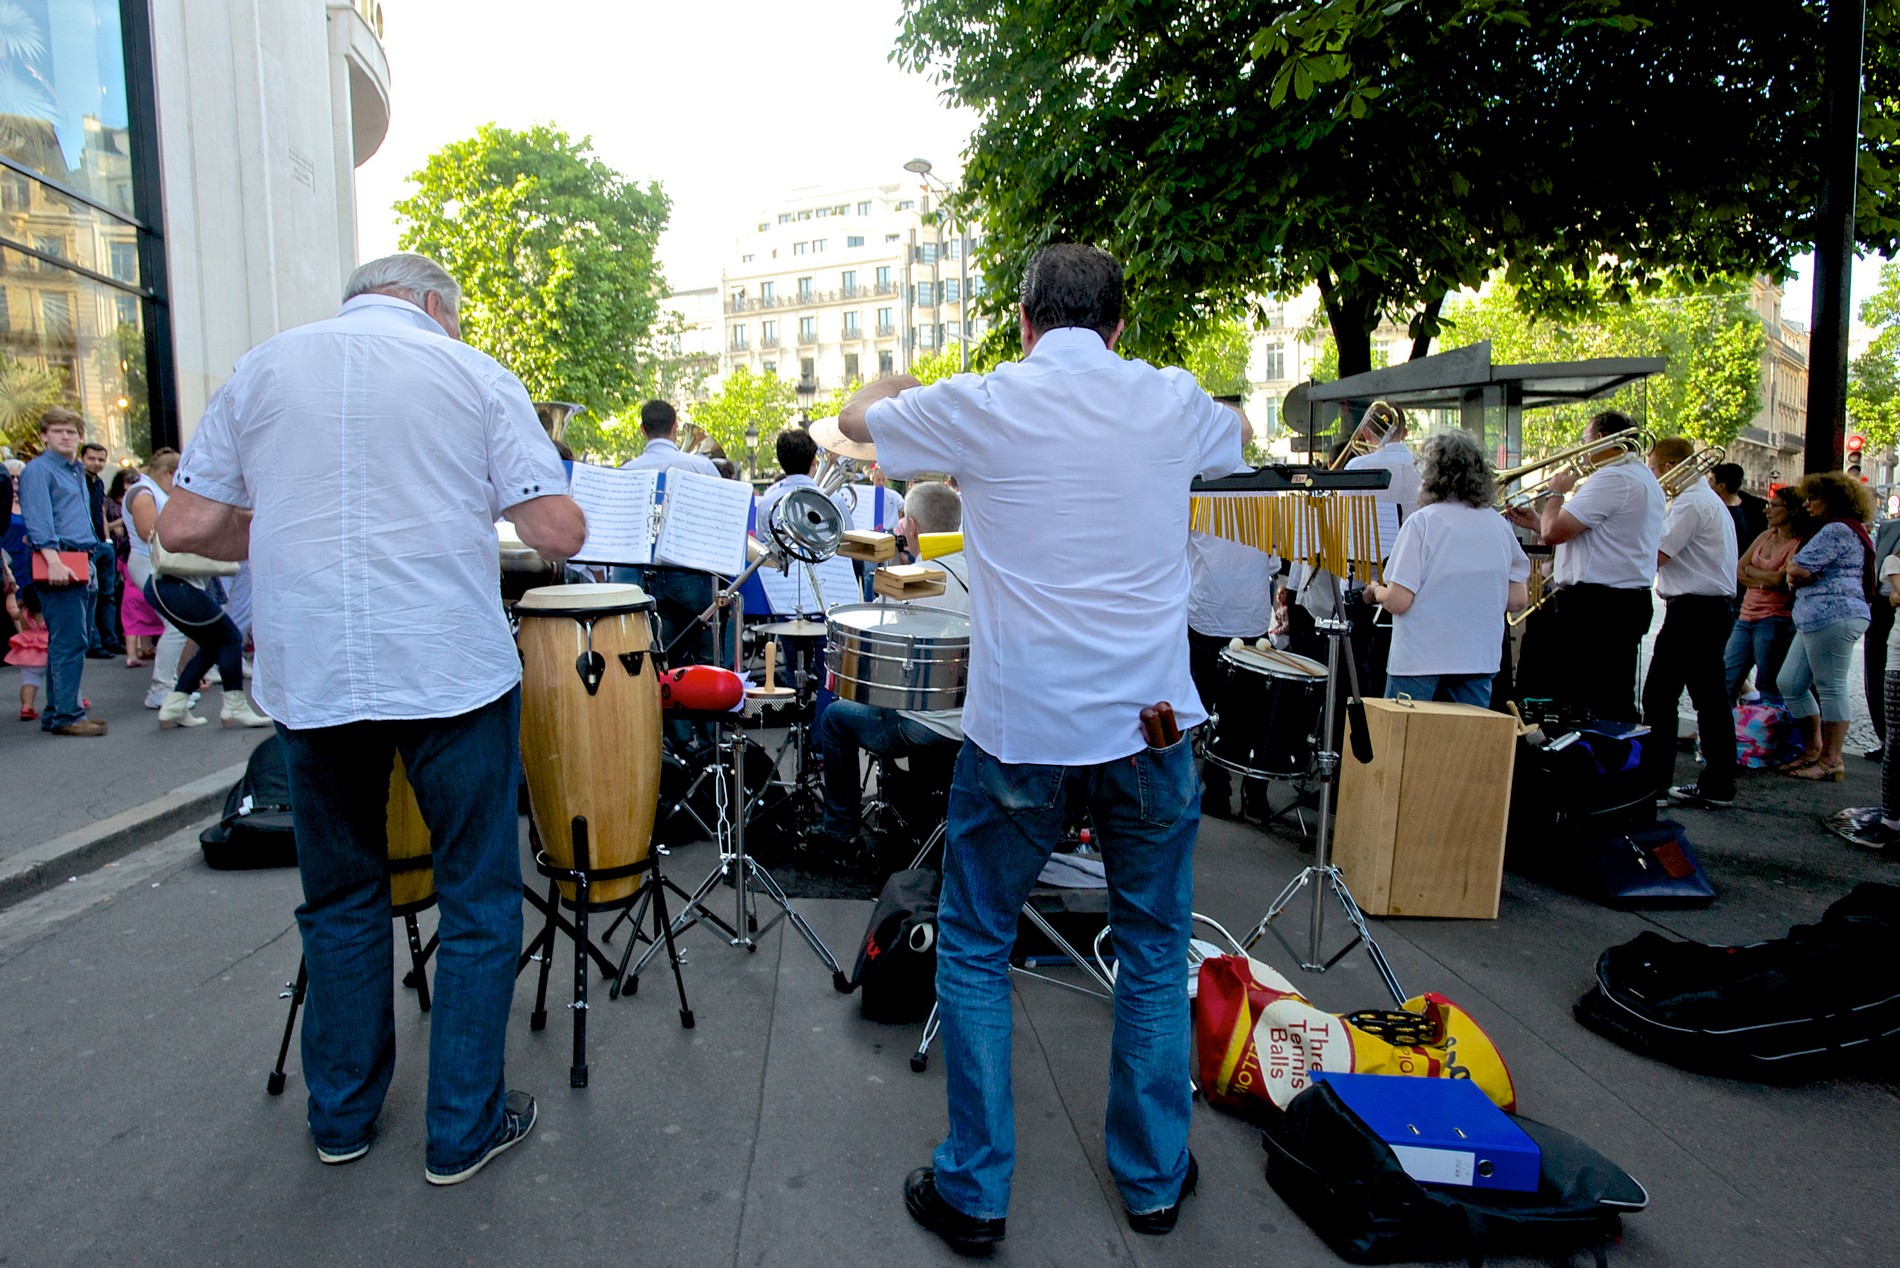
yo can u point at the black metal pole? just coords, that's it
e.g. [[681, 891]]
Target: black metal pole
[[1834, 234]]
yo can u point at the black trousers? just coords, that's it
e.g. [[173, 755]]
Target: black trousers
[[1688, 654], [1873, 650], [1599, 637]]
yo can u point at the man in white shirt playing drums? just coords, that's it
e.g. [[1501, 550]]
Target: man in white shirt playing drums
[[1606, 537], [1077, 623], [1455, 570], [1695, 575], [361, 463]]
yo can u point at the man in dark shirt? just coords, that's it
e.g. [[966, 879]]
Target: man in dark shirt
[[102, 636], [59, 518]]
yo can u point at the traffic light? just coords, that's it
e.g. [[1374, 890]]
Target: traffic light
[[1854, 446]]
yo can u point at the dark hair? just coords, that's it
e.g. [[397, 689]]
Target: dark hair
[[796, 449], [60, 414], [1800, 526], [1611, 422], [120, 478], [1729, 475], [657, 418], [91, 445], [1071, 284]]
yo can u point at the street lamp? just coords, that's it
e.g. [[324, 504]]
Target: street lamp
[[921, 167], [752, 449], [807, 391]]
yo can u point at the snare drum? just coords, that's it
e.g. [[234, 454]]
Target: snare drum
[[1266, 712], [893, 656], [590, 727], [411, 867]]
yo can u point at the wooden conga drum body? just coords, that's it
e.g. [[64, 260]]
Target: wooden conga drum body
[[411, 872], [590, 727]]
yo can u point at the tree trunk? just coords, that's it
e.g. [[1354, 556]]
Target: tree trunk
[[1351, 318], [1424, 322]]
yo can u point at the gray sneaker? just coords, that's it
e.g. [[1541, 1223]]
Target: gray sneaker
[[517, 1120]]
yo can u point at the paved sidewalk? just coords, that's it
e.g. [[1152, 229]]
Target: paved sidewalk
[[139, 1012]]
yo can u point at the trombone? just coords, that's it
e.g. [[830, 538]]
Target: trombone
[[1691, 469], [1582, 458], [1375, 428]]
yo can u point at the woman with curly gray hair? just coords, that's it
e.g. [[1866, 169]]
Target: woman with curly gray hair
[[1455, 570]]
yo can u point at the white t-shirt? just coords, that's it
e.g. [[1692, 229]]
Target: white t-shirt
[[1074, 465], [1459, 561], [1397, 459], [1622, 507], [1232, 591], [1699, 538]]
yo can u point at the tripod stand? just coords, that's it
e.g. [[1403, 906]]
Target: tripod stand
[[1323, 875]]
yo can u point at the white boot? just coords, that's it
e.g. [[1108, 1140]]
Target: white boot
[[237, 711], [176, 711]]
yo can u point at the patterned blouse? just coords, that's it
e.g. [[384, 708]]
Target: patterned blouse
[[1838, 592]]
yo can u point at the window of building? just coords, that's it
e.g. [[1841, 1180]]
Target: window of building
[[884, 324], [854, 240], [884, 362], [951, 291], [804, 368], [1381, 356], [925, 296], [1276, 361], [804, 288], [892, 237], [884, 279], [817, 245], [768, 292], [908, 204], [848, 282], [125, 310], [785, 217], [768, 334], [123, 261], [953, 249], [745, 259], [864, 209], [851, 367], [769, 369], [842, 209], [799, 248], [808, 330], [926, 335], [738, 340], [1270, 415], [852, 330], [823, 212], [763, 226], [738, 298], [56, 314], [804, 215], [926, 253], [952, 331]]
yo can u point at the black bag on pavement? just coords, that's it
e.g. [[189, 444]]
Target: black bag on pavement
[[1787, 1009], [897, 961], [1348, 1186], [255, 830], [1652, 866], [1593, 785]]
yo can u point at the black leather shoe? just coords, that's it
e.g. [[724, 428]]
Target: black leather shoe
[[964, 1234], [1156, 1223]]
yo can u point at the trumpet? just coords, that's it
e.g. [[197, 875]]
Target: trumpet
[[1696, 466], [1582, 458], [1376, 426]]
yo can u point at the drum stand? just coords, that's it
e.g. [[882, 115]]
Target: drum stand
[[417, 977], [1323, 874], [748, 879], [652, 897]]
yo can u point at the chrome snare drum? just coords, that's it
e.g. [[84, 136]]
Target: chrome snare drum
[[1266, 713], [893, 656]]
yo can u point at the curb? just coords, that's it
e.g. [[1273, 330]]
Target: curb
[[40, 868]]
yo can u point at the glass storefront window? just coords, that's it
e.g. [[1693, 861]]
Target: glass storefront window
[[66, 339], [62, 95]]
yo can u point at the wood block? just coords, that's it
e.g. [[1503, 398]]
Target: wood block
[[868, 545], [907, 581], [1420, 829]]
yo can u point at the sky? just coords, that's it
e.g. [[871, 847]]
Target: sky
[[730, 105]]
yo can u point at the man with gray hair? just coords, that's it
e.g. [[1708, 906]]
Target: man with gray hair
[[1077, 630], [360, 463]]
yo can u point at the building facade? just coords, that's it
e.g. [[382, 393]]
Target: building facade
[[176, 185], [840, 286]]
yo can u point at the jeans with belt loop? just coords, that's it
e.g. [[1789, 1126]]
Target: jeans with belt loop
[[1004, 822]]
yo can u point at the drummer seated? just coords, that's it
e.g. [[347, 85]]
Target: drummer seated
[[847, 729]]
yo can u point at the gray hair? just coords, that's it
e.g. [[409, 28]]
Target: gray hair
[[406, 275], [1451, 468], [935, 506]]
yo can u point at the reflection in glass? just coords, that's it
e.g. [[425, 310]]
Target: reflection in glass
[[62, 95], [67, 339]]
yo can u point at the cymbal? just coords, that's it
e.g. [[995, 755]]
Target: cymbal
[[831, 437], [795, 629]]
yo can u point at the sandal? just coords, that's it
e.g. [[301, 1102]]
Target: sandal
[[136, 662], [1837, 773], [1800, 763]]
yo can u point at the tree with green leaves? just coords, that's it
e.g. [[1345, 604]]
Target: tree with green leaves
[[1873, 385], [27, 392], [1395, 151], [745, 400], [555, 254]]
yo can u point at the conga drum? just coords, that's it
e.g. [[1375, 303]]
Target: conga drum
[[590, 728], [411, 868]]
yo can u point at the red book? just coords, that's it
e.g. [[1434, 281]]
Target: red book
[[77, 562]]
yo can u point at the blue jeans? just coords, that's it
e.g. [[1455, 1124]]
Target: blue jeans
[[463, 772], [1814, 677], [1762, 644], [64, 608], [844, 728], [1004, 822], [200, 613], [1451, 688], [100, 633]]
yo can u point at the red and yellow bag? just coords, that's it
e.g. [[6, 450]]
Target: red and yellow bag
[[1259, 1041]]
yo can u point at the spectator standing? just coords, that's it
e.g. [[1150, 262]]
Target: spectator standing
[[1765, 624], [103, 641], [143, 502], [58, 514], [1832, 575], [1873, 647]]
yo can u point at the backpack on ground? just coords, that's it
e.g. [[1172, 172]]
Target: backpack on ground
[[255, 829], [897, 960], [1349, 1187], [1790, 1008]]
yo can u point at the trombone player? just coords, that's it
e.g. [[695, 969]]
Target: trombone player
[[1606, 534]]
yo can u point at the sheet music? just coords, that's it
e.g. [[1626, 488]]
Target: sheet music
[[876, 508], [704, 524], [619, 509], [790, 591]]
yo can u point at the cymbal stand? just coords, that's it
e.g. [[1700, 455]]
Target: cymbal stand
[[1324, 875]]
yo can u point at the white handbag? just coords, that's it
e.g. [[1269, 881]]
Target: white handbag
[[187, 566]]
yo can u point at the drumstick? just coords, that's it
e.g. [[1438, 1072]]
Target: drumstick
[[771, 664]]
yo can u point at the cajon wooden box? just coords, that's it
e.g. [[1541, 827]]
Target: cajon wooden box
[[1420, 830]]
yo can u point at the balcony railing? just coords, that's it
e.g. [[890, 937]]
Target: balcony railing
[[887, 288], [768, 341], [885, 330], [808, 336], [737, 345], [852, 332]]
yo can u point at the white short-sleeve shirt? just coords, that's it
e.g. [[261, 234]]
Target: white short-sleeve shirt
[[1622, 507], [1074, 465], [377, 453], [1232, 587], [1396, 458], [1699, 538], [1460, 562]]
